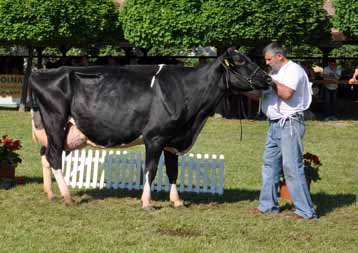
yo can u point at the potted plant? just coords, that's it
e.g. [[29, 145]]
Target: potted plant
[[9, 159], [311, 167]]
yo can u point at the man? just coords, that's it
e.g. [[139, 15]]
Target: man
[[331, 76], [284, 105]]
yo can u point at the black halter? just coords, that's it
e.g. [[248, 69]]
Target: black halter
[[248, 80]]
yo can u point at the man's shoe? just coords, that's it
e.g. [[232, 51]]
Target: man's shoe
[[296, 216], [255, 211]]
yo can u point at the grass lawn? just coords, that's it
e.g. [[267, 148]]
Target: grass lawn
[[112, 221]]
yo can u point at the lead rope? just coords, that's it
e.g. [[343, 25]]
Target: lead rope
[[240, 110], [226, 101]]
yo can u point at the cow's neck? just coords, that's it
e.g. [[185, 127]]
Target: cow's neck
[[206, 88], [203, 98]]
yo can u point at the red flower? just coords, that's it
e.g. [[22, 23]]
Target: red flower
[[8, 156], [315, 159], [16, 145], [7, 141]]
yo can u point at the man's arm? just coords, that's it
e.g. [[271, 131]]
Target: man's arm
[[282, 90]]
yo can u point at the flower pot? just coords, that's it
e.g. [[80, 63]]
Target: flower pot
[[285, 194], [7, 177], [8, 171]]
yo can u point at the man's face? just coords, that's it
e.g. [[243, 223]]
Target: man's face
[[275, 61], [333, 65]]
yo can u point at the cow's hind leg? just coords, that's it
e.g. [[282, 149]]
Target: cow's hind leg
[[65, 192], [171, 164], [46, 170], [151, 164]]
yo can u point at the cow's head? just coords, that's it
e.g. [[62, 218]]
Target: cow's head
[[242, 73]]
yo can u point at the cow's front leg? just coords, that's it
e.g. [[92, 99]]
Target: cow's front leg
[[171, 164], [65, 192], [151, 164], [46, 171]]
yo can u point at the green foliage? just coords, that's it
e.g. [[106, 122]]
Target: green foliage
[[257, 22], [345, 51], [111, 51], [58, 22], [346, 18], [305, 50], [52, 51], [188, 23], [164, 24]]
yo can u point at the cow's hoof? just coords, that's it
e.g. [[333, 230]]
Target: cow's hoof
[[51, 197], [178, 204], [70, 202], [149, 208]]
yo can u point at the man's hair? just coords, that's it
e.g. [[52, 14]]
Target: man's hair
[[275, 48]]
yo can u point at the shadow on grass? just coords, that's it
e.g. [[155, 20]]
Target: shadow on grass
[[229, 196], [325, 203]]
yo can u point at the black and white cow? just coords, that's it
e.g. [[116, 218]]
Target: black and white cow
[[162, 107]]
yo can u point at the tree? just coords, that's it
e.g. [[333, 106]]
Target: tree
[[345, 18], [188, 23], [164, 24], [57, 23]]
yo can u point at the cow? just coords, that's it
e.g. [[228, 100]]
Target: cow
[[163, 107]]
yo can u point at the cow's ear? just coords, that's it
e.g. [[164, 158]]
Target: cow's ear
[[232, 51], [241, 59], [229, 58]]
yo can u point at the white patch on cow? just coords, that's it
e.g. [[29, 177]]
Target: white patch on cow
[[38, 131], [153, 78], [146, 191], [174, 195], [138, 141], [65, 192], [46, 170]]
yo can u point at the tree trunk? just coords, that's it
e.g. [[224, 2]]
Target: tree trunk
[[25, 82], [39, 56]]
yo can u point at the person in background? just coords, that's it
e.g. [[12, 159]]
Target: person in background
[[354, 79], [331, 75], [283, 105], [307, 66]]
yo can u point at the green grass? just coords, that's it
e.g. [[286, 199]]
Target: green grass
[[112, 221]]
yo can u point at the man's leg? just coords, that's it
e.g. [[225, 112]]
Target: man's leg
[[293, 167], [270, 172]]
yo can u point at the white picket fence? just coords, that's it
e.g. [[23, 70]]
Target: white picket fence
[[122, 170]]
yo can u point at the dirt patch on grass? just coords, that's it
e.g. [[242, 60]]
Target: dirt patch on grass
[[339, 124], [179, 232]]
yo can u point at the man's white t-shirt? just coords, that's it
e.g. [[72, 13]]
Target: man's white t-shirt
[[293, 76]]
